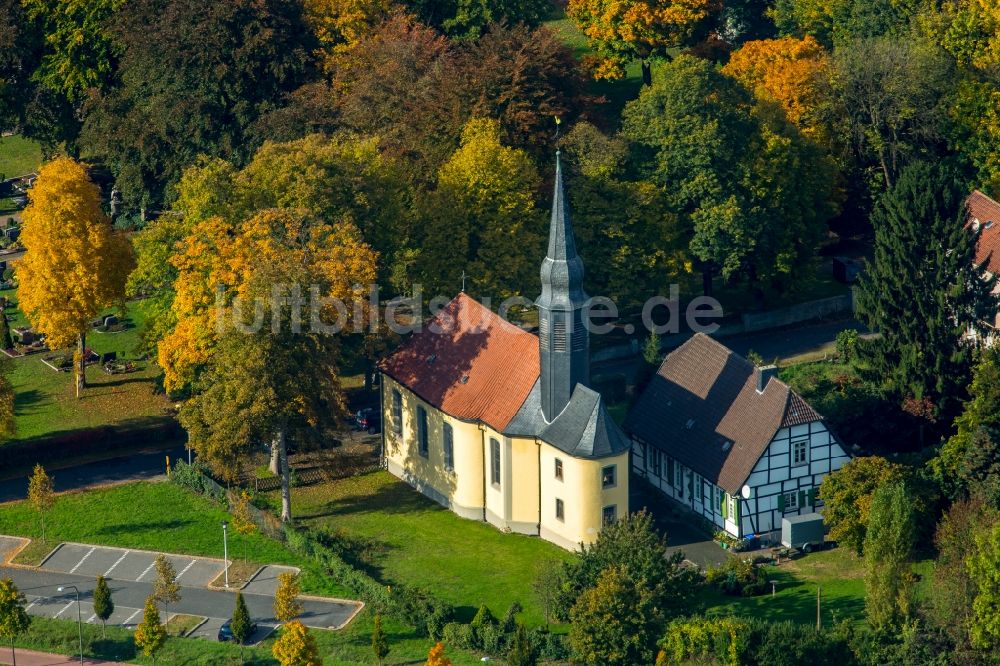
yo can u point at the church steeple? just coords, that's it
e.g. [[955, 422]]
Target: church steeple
[[563, 340]]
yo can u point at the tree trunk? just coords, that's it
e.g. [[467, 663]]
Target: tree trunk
[[286, 494], [275, 465], [81, 368], [647, 73], [13, 652]]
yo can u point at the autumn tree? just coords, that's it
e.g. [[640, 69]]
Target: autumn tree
[[286, 599], [888, 552], [166, 589], [14, 618], [638, 29], [615, 623], [265, 384], [41, 494], [380, 644], [104, 607], [150, 634], [923, 291], [847, 497], [243, 521], [482, 219], [793, 73], [296, 647], [436, 656], [74, 264], [340, 24]]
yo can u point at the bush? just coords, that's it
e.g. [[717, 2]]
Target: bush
[[195, 477], [738, 577], [549, 646], [457, 635], [847, 345]]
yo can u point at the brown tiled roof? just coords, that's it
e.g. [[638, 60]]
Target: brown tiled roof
[[469, 363], [987, 212], [703, 409]]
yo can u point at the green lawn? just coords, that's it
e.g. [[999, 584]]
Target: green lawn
[[838, 572], [46, 402], [18, 156], [165, 517], [403, 537]]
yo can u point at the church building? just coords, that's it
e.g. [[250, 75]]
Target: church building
[[501, 425]]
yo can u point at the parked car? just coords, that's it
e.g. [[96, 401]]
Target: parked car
[[369, 419], [226, 631]]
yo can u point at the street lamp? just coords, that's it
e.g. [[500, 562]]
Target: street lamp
[[79, 614], [225, 548]]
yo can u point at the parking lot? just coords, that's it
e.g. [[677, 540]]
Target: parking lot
[[131, 574], [131, 565]]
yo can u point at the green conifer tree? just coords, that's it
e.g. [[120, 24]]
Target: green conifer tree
[[103, 605], [923, 291], [380, 645]]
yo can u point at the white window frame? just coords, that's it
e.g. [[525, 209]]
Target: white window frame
[[800, 446]]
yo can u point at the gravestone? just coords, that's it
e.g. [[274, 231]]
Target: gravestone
[[110, 320]]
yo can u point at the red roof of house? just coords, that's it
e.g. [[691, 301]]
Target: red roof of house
[[986, 212], [469, 363]]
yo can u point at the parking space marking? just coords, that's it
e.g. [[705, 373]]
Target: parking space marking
[[83, 559], [108, 572], [131, 617], [148, 569], [33, 602], [184, 570], [64, 609]]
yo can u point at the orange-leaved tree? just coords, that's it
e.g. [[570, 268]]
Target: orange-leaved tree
[[794, 73], [75, 264], [625, 30], [436, 656]]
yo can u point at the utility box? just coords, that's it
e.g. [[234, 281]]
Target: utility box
[[805, 532]]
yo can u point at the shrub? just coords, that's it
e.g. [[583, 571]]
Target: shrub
[[847, 345], [457, 635], [738, 577], [549, 646], [195, 477]]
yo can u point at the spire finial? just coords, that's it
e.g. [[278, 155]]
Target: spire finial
[[463, 280]]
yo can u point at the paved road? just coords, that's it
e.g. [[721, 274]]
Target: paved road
[[789, 342], [146, 464]]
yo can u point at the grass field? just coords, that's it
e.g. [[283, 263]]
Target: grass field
[[165, 517], [18, 156], [402, 536], [838, 573], [46, 402]]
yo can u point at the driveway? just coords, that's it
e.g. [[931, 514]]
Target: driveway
[[134, 466]]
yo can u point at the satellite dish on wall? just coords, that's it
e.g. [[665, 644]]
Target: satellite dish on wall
[[745, 492]]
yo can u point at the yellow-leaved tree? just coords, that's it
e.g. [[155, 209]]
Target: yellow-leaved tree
[[296, 647], [340, 24], [482, 219], [75, 264], [624, 30]]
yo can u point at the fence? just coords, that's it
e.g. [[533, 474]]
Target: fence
[[761, 321]]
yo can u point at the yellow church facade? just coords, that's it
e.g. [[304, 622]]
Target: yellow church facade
[[499, 424]]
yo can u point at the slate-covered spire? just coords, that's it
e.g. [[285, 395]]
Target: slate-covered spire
[[562, 338]]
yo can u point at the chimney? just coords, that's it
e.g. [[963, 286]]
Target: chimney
[[764, 375]]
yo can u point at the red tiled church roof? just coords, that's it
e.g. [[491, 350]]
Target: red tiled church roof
[[987, 212], [469, 363]]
